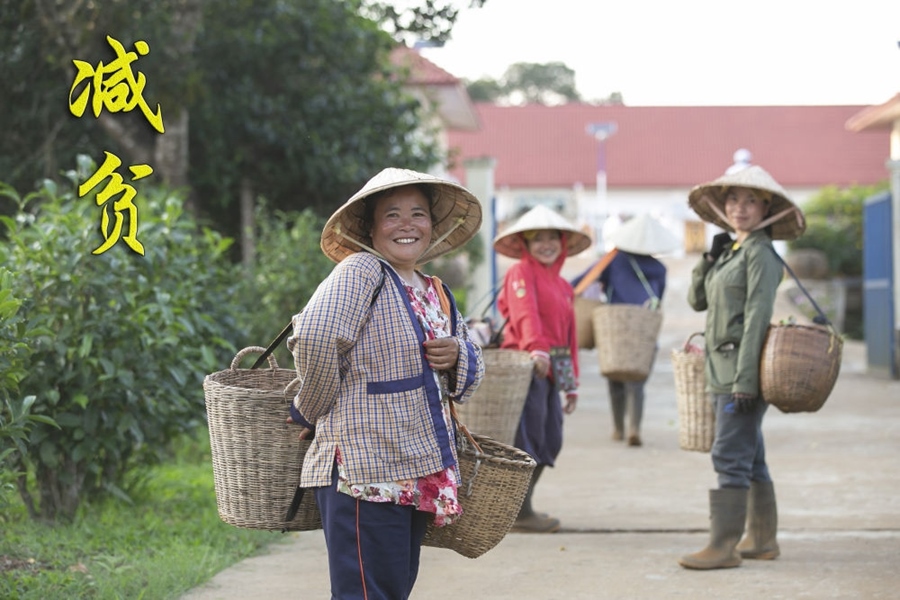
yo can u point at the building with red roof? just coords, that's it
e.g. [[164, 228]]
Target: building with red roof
[[652, 156]]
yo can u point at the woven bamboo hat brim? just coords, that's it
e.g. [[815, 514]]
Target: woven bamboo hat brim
[[540, 217], [644, 235], [455, 216], [708, 201]]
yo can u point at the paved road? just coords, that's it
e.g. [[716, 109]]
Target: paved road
[[629, 513]]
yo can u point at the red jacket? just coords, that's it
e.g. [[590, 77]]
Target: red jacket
[[539, 305]]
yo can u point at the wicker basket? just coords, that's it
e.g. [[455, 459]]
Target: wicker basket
[[256, 454], [584, 321], [494, 480], [696, 414], [494, 410], [799, 366], [626, 335]]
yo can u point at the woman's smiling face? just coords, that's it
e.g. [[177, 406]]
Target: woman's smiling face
[[745, 209], [401, 226], [545, 245]]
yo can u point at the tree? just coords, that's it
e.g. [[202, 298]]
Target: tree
[[523, 83], [550, 83], [485, 90], [295, 100], [298, 103], [430, 22]]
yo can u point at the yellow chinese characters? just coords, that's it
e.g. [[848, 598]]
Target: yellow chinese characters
[[114, 86], [113, 187], [116, 89]]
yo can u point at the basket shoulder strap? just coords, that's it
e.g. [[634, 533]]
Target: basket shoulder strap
[[821, 318], [287, 330], [637, 270]]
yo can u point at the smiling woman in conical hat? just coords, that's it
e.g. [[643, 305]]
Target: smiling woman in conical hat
[[538, 307], [784, 218], [455, 215], [736, 283], [381, 350], [511, 241]]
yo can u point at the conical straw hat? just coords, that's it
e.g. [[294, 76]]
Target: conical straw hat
[[455, 215], [540, 217], [644, 235], [708, 201]]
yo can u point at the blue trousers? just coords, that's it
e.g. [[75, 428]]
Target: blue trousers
[[373, 547], [541, 425], [738, 452]]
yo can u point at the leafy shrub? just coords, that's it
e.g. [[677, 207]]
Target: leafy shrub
[[834, 225], [16, 419], [127, 338]]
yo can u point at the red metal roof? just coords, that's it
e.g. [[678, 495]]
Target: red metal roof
[[538, 146]]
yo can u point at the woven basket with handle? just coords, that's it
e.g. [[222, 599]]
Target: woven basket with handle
[[799, 366], [256, 454], [584, 321], [625, 335], [494, 410], [494, 479], [696, 414]]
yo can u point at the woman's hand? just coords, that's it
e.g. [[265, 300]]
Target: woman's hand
[[744, 403], [541, 364], [442, 354], [304, 433], [571, 403]]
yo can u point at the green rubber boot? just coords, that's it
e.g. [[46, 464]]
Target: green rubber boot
[[762, 523], [728, 510]]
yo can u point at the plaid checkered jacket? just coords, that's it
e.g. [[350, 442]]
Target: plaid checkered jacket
[[365, 382]]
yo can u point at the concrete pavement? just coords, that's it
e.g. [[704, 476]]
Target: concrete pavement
[[629, 513]]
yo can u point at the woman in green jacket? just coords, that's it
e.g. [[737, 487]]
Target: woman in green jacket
[[735, 282]]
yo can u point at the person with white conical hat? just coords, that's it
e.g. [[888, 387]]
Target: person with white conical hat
[[381, 350], [735, 283], [632, 275], [540, 319]]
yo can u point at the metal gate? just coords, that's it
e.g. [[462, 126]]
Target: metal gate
[[878, 284]]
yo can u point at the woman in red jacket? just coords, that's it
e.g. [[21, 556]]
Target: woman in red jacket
[[538, 304]]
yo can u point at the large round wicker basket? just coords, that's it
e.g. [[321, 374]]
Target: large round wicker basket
[[494, 479], [256, 454], [696, 414], [625, 335], [584, 321], [799, 366], [494, 410]]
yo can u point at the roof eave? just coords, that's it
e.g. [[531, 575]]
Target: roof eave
[[882, 116]]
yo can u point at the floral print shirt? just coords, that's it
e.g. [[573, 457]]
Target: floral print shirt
[[434, 493]]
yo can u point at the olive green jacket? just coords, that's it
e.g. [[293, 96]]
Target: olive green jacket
[[738, 293]]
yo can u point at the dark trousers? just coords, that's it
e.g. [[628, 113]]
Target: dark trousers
[[541, 426], [738, 452], [373, 547]]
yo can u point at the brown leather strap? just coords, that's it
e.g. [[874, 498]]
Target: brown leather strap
[[595, 271], [441, 294]]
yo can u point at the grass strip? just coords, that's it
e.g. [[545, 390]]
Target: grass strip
[[169, 541]]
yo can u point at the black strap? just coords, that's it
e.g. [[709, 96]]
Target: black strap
[[294, 507], [287, 330], [819, 319]]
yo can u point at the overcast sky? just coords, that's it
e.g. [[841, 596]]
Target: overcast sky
[[690, 52]]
